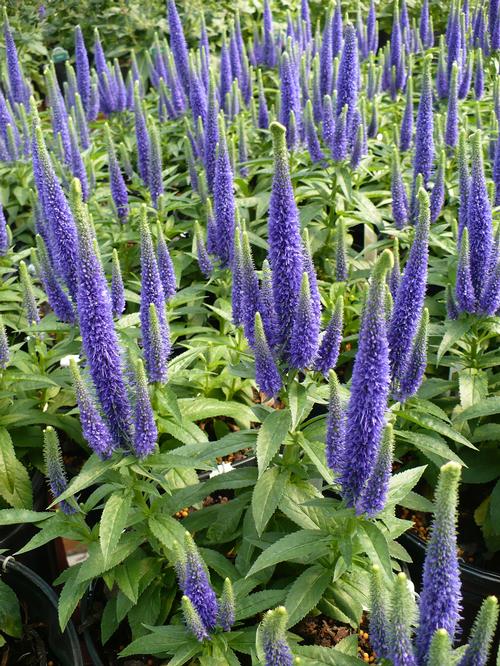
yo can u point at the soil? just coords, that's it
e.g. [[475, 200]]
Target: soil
[[30, 650], [325, 632]]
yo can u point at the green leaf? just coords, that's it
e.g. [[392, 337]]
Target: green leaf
[[473, 386], [306, 591], [113, 521], [95, 565], [16, 516], [167, 530], [10, 612], [486, 407], [377, 548], [315, 655], [429, 444], [15, 484], [60, 525], [304, 545], [267, 495], [91, 471], [436, 425], [197, 409], [401, 484], [316, 453], [163, 639], [494, 508], [251, 604], [271, 436], [70, 596], [454, 330], [297, 401]]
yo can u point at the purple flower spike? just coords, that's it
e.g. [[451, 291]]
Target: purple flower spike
[[94, 429], [305, 331], [312, 140], [54, 468], [464, 289], [155, 164], [4, 236], [463, 181], [328, 124], [178, 45], [237, 281], [249, 289], [440, 598], [142, 138], [329, 349], [479, 76], [289, 98], [194, 582], [266, 304], [285, 244], [409, 299], [224, 204], [165, 266], [269, 55], [145, 431], [451, 307], [417, 362], [378, 620], [159, 347], [193, 620], [99, 338], [369, 391], [29, 300], [424, 141], [437, 194], [451, 132], [424, 27], [263, 118], [326, 57], [117, 289], [348, 76], [82, 68], [339, 147], [273, 638], [479, 220], [399, 196], [267, 376], [4, 346], [19, 91], [117, 183], [57, 297], [374, 495], [206, 266], [335, 426], [211, 133], [406, 132]]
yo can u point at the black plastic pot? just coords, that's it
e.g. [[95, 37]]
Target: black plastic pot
[[85, 612], [43, 560], [40, 601], [477, 583]]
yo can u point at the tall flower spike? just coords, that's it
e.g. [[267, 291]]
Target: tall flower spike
[[285, 244], [196, 585], [165, 266], [399, 196], [224, 204], [289, 99], [440, 649], [155, 164], [237, 281], [424, 141], [145, 431], [116, 181], [451, 132], [269, 55], [482, 634], [370, 388], [99, 338], [95, 431], [267, 376], [412, 379], [266, 304], [211, 133], [440, 598], [329, 349], [479, 220], [159, 349], [117, 289], [82, 68], [142, 137], [18, 89], [326, 56], [451, 306], [335, 426], [62, 235], [226, 606], [29, 301], [409, 300], [311, 274], [4, 346], [249, 289], [272, 638], [348, 76], [374, 495], [313, 145], [463, 181], [490, 298], [437, 194], [263, 117], [193, 619], [178, 45], [54, 468], [305, 331], [401, 618], [151, 292], [378, 618], [464, 289], [339, 146], [328, 126], [395, 275], [77, 164], [479, 76], [57, 297]]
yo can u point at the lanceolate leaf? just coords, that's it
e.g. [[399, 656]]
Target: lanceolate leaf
[[113, 521], [271, 436]]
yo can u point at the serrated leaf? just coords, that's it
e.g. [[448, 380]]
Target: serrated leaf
[[428, 444], [113, 521], [305, 592], [252, 604], [315, 655], [436, 425], [167, 530], [303, 545], [454, 330], [378, 548], [271, 436], [10, 612], [400, 484], [15, 484], [297, 401], [70, 596], [473, 386], [486, 407], [92, 470], [162, 639], [197, 409], [95, 565], [17, 516], [267, 495]]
